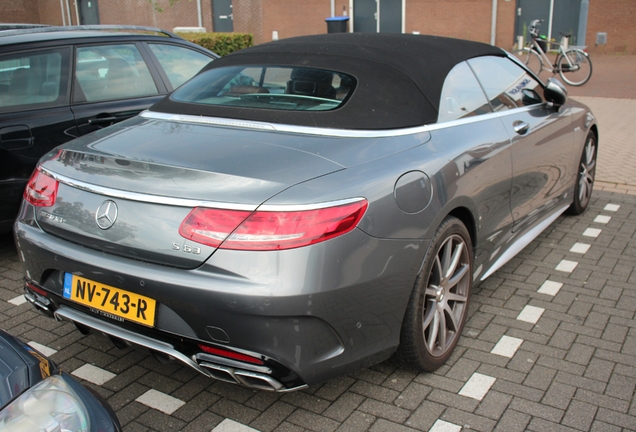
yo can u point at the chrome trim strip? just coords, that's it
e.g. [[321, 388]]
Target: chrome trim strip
[[184, 202], [307, 130], [271, 127], [304, 207], [137, 339], [155, 199], [523, 241]]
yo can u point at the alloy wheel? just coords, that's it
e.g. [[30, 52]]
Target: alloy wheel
[[446, 296]]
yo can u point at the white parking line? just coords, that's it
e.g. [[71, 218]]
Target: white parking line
[[566, 266], [160, 401], [580, 248], [530, 314], [17, 301], [441, 426], [612, 207], [592, 232], [477, 386], [42, 348], [602, 219], [93, 374], [228, 425], [507, 346], [550, 288]]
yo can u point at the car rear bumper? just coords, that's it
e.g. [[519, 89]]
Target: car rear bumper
[[310, 314]]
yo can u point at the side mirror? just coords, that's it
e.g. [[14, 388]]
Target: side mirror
[[555, 92]]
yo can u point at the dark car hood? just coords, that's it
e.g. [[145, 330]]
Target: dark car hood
[[21, 367]]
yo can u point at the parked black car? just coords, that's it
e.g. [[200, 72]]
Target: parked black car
[[36, 396], [58, 83]]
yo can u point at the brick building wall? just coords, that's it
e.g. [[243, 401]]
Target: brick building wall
[[287, 17], [617, 18], [157, 13], [50, 13], [468, 19], [464, 19], [22, 11]]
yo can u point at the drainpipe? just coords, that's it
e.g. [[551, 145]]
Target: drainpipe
[[199, 12], [580, 37], [333, 8], [493, 24], [63, 14], [77, 13], [68, 13], [550, 22]]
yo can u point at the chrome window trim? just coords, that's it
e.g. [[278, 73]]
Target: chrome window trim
[[186, 202], [308, 130]]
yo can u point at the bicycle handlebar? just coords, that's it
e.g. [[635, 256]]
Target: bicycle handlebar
[[534, 27]]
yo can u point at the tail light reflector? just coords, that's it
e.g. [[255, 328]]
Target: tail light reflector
[[231, 354], [270, 230], [41, 190]]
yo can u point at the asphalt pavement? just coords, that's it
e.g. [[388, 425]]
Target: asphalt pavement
[[550, 344]]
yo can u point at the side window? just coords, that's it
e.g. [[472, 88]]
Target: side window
[[506, 84], [33, 79], [109, 72], [179, 63], [461, 95]]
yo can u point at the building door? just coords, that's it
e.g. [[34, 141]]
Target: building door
[[223, 17], [374, 16], [88, 12], [563, 19]]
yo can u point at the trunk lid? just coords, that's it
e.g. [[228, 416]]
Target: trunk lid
[[154, 173]]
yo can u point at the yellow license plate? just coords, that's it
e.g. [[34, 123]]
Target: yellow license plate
[[109, 301]]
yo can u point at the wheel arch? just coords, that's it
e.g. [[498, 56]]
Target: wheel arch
[[594, 130], [467, 218]]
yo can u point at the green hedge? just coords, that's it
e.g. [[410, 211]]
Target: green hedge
[[220, 43]]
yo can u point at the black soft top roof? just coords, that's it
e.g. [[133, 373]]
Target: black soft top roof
[[400, 78]]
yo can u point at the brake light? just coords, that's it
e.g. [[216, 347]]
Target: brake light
[[41, 189], [231, 354], [270, 230]]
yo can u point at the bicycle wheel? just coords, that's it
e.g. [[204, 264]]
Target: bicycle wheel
[[530, 58], [575, 67]]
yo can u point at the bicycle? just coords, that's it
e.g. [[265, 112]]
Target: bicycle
[[572, 63]]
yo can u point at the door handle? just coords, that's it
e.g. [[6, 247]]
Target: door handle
[[520, 127]]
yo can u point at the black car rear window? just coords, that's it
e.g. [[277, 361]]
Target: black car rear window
[[268, 87]]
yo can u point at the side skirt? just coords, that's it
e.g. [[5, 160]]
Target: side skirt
[[523, 241]]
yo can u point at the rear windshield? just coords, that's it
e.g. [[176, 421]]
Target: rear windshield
[[268, 87]]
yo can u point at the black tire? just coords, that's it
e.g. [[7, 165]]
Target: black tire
[[530, 58], [437, 309], [585, 177], [575, 67]]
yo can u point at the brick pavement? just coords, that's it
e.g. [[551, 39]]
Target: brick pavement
[[550, 345]]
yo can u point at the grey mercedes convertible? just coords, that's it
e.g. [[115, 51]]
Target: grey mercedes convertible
[[307, 207]]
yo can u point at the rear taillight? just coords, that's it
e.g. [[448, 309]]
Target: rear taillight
[[41, 190], [270, 230]]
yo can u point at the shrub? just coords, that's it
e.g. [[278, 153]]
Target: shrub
[[220, 43]]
